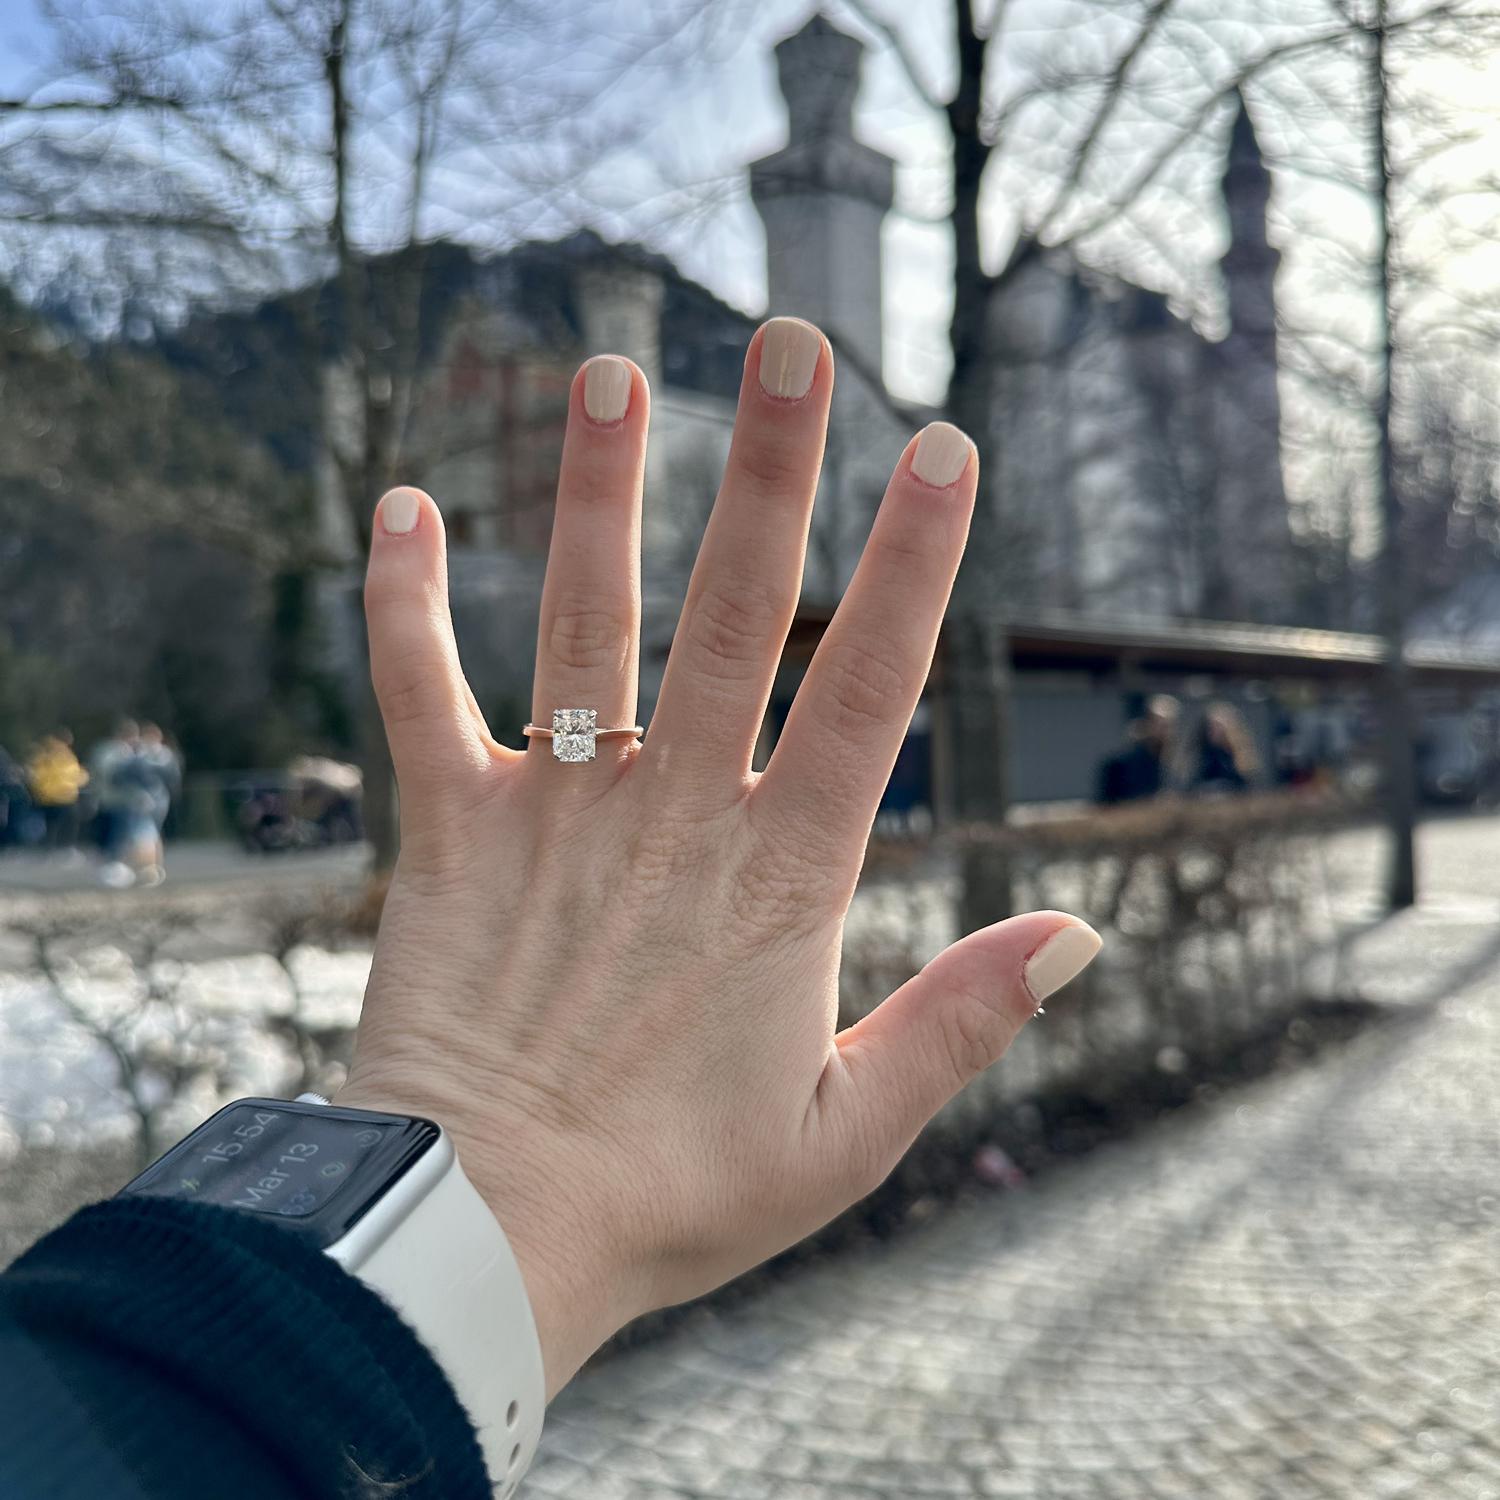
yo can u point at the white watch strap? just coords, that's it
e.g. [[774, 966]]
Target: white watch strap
[[435, 1252]]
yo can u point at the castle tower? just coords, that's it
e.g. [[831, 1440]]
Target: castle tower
[[823, 197], [1250, 263], [1250, 573]]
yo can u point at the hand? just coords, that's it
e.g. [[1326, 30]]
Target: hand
[[615, 983]]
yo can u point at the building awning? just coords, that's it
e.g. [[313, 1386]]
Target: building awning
[[1064, 641]]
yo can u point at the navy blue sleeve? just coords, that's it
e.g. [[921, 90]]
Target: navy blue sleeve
[[155, 1350]]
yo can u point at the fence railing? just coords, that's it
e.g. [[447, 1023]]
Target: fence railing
[[1213, 913], [1217, 926]]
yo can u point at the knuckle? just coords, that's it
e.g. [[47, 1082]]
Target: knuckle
[[586, 638], [903, 551], [663, 862], [730, 626], [388, 589], [405, 690], [403, 704], [785, 880], [977, 1031], [863, 686], [765, 471], [782, 892]]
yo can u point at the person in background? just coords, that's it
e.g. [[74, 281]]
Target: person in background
[[1227, 761], [1141, 770], [141, 783], [56, 780], [15, 799], [166, 763], [110, 799]]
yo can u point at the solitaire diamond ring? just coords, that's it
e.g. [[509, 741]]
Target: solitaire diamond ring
[[574, 733]]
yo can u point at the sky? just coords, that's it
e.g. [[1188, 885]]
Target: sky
[[1321, 219], [690, 127], [681, 185]]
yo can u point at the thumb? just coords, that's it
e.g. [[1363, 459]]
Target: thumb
[[898, 1066]]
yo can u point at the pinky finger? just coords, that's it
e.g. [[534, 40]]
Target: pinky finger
[[434, 728]]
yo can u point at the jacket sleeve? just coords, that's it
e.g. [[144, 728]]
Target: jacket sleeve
[[154, 1350]]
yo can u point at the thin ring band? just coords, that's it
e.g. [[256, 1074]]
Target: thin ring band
[[536, 732]]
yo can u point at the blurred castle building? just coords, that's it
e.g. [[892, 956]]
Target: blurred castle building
[[823, 199], [1138, 462], [1135, 463]]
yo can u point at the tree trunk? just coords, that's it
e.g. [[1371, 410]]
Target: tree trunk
[[363, 477], [978, 650], [1398, 727]]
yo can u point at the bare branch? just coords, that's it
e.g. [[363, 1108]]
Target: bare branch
[[1158, 162], [1114, 91]]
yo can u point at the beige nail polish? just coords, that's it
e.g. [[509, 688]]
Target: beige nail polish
[[942, 454], [399, 510], [789, 357], [1065, 955], [606, 388]]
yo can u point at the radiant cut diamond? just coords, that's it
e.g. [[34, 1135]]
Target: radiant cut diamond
[[573, 733]]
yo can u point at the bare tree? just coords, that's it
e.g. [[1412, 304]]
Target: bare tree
[[1429, 330], [1451, 27], [1448, 477], [265, 142], [1162, 71], [1130, 64]]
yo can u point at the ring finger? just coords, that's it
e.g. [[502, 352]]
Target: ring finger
[[588, 639]]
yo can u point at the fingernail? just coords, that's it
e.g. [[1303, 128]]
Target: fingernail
[[942, 455], [789, 351], [1064, 956], [399, 510], [606, 388]]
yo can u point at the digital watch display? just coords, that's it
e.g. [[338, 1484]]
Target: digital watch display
[[319, 1168]]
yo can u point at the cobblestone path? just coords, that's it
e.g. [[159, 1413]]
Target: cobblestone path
[[1295, 1293]]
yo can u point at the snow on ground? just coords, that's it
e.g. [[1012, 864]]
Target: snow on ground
[[59, 1082]]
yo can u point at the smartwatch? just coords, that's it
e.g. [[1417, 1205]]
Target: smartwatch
[[385, 1196]]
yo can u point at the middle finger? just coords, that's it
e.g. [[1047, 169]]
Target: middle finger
[[748, 576]]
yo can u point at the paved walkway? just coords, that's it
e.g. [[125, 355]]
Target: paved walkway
[[189, 865], [1294, 1294]]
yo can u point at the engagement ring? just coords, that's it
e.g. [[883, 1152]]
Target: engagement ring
[[574, 733]]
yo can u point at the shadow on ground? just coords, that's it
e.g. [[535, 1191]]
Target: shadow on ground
[[1049, 1130]]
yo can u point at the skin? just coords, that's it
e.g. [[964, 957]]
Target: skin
[[615, 984]]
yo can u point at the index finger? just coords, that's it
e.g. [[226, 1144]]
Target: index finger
[[748, 577]]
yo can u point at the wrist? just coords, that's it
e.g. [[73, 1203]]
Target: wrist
[[580, 1292]]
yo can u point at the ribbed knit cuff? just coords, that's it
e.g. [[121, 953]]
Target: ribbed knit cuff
[[222, 1309]]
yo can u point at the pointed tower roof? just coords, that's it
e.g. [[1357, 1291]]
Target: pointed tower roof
[[1247, 188], [1244, 144], [818, 69]]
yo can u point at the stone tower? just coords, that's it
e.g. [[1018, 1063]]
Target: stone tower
[[1250, 575], [1251, 262], [823, 197]]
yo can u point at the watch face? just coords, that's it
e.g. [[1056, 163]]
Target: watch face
[[316, 1168]]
